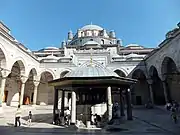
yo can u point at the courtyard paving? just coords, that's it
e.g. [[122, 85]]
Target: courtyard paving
[[146, 122]]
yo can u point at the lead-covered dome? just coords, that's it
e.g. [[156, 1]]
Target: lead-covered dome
[[91, 27], [91, 70]]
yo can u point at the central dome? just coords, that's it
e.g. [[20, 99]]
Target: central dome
[[91, 27]]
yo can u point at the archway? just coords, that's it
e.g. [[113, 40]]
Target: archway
[[140, 92], [29, 88], [120, 73], [172, 79], [13, 84], [157, 87], [45, 94], [63, 73]]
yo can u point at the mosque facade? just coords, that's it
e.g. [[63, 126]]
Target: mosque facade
[[25, 74]]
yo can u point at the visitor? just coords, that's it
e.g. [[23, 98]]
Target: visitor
[[149, 105], [168, 106], [176, 105], [67, 116], [115, 110], [92, 119], [29, 118], [174, 115], [18, 116], [98, 118], [95, 119]]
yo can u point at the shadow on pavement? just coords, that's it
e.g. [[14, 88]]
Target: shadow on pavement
[[45, 118], [9, 130]]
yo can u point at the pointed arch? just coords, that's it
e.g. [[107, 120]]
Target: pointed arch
[[140, 92], [168, 66], [120, 73], [47, 70], [21, 66], [157, 86], [3, 57], [64, 72]]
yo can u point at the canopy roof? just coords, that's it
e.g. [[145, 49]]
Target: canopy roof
[[91, 68], [91, 74], [102, 81]]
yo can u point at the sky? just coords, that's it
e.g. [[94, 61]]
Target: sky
[[41, 23]]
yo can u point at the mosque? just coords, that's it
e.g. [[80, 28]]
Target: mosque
[[25, 74]]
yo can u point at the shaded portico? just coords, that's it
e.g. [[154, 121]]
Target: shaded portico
[[90, 86]]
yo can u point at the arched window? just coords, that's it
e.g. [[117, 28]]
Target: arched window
[[81, 34], [102, 41]]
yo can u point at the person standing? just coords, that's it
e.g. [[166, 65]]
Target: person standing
[[29, 118], [18, 116], [174, 115]]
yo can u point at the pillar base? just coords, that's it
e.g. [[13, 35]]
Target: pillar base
[[72, 124], [34, 105], [1, 110], [129, 118]]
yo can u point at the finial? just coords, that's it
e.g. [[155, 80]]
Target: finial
[[91, 23]]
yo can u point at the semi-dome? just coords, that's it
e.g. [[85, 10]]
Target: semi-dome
[[91, 27], [91, 71]]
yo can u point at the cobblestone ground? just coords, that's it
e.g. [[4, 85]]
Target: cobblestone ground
[[146, 122]]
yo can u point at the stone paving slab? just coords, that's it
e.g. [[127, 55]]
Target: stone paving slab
[[157, 118], [43, 120]]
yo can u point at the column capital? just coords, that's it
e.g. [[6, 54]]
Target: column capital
[[36, 82], [5, 73], [24, 79], [131, 86], [150, 81], [163, 80]]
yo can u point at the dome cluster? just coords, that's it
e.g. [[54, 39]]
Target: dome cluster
[[91, 33]]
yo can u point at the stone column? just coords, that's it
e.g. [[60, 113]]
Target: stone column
[[121, 103], [150, 82], [3, 82], [109, 103], [62, 107], [128, 102], [22, 93], [165, 91], [66, 99], [73, 108], [23, 79], [55, 108], [35, 93]]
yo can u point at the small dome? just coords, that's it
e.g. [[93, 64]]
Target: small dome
[[132, 55], [51, 57], [91, 71], [51, 48], [133, 45], [91, 27], [91, 43]]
